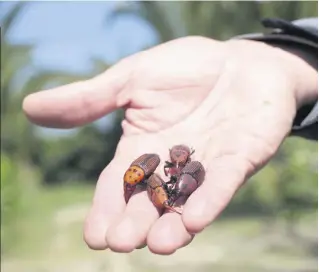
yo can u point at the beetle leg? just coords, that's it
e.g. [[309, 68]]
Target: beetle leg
[[167, 165], [165, 186], [172, 198], [172, 180], [165, 171], [143, 182], [192, 152], [170, 208]]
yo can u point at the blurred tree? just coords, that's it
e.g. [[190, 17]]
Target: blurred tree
[[21, 149], [289, 10], [86, 155], [78, 158], [285, 188], [219, 20], [297, 180], [17, 134], [10, 202]]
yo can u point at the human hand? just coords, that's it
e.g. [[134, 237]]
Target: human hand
[[233, 102]]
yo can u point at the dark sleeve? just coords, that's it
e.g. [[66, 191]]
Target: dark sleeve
[[300, 38]]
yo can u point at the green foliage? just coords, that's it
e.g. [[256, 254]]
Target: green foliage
[[9, 19], [216, 19], [19, 182], [18, 135], [10, 201], [290, 10], [86, 157], [22, 151], [287, 186]]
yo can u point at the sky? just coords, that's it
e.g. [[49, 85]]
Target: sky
[[67, 34]]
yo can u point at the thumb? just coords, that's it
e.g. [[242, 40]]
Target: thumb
[[81, 102]]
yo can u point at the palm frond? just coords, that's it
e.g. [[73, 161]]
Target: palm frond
[[99, 65], [9, 19], [154, 13], [13, 59]]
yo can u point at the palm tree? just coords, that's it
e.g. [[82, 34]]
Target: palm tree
[[18, 137], [171, 20], [219, 20], [162, 16]]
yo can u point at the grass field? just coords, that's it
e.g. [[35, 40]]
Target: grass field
[[50, 240]]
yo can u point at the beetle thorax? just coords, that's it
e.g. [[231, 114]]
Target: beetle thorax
[[180, 154]]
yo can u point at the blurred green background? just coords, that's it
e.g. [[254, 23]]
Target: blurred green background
[[48, 176]]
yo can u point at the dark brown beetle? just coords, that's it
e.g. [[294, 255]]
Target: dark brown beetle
[[190, 178], [179, 156], [139, 170], [159, 192]]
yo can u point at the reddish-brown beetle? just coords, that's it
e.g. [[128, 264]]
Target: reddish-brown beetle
[[180, 156], [139, 170], [159, 192], [191, 177]]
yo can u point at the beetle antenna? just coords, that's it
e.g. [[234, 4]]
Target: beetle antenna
[[171, 208]]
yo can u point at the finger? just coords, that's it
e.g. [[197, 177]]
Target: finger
[[79, 103], [224, 176], [108, 205], [168, 234], [131, 230]]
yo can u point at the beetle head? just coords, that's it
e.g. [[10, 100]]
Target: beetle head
[[180, 154]]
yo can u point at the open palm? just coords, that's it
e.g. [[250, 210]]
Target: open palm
[[212, 96]]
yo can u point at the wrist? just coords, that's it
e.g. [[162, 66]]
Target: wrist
[[301, 70], [297, 45], [284, 61]]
